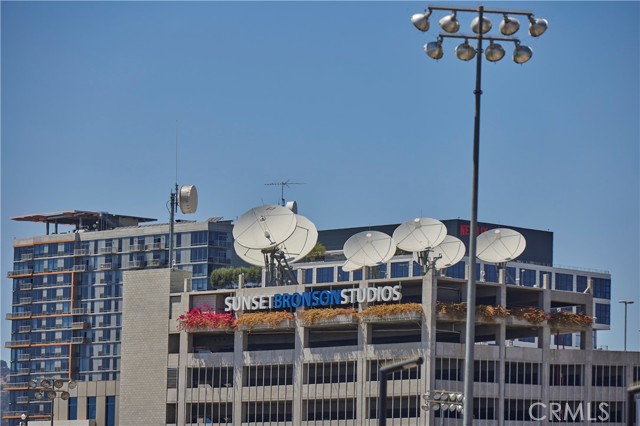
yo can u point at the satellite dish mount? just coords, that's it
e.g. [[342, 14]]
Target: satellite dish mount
[[187, 198]]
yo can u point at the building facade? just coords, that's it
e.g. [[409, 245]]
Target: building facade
[[67, 299], [100, 305]]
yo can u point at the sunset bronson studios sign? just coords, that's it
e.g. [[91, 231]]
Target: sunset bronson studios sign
[[316, 298]]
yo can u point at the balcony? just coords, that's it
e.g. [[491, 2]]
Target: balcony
[[157, 263], [23, 371], [81, 252], [24, 329], [79, 325], [26, 257], [79, 268], [78, 340], [22, 400], [153, 246], [137, 247], [105, 266], [24, 357], [18, 315], [20, 273], [106, 250], [24, 301], [26, 286], [17, 343], [136, 264], [79, 311]]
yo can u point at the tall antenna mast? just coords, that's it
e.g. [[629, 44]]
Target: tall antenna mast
[[282, 185]]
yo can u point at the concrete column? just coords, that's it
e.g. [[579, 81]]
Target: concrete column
[[239, 346]]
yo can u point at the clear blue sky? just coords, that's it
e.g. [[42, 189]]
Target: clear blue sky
[[338, 95]]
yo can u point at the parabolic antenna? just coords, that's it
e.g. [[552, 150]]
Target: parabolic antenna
[[264, 227], [188, 199], [419, 234], [500, 245], [349, 266], [302, 241], [251, 256], [449, 252], [369, 248]]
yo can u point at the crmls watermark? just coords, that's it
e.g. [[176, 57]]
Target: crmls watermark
[[555, 411]]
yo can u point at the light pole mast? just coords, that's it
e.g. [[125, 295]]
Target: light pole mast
[[480, 26]]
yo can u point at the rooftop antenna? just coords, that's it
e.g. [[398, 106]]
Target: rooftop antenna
[[282, 185], [184, 196]]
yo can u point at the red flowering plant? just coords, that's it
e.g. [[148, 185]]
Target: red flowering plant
[[203, 318]]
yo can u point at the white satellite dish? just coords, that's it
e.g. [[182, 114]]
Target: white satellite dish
[[369, 248], [500, 245], [293, 206], [188, 199], [302, 241], [349, 266], [251, 256], [419, 234], [264, 227], [449, 252]]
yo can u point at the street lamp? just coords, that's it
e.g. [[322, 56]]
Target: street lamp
[[480, 26], [626, 303], [383, 372], [52, 390], [443, 400]]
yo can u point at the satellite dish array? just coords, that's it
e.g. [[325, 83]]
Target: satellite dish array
[[432, 248], [274, 237]]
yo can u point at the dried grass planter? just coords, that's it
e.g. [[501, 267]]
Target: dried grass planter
[[412, 311], [531, 315], [452, 310], [253, 320], [327, 315], [569, 319], [491, 313]]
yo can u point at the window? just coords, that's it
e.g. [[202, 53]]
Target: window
[[330, 372], [562, 340], [603, 313], [399, 269], [449, 369], [267, 411], [266, 375], [485, 371], [602, 288], [91, 407], [491, 273], [417, 269], [456, 271], [73, 408], [324, 275], [342, 275], [565, 375], [527, 277], [357, 275], [511, 275], [110, 411], [199, 238], [522, 373], [607, 375], [581, 283], [199, 254], [329, 409], [200, 270], [564, 282]]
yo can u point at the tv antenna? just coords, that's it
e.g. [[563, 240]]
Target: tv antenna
[[282, 185]]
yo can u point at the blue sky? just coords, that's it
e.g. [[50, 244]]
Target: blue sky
[[338, 95]]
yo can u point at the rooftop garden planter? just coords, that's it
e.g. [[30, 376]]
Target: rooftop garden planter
[[531, 315], [400, 311], [321, 316], [569, 319], [203, 318], [265, 320]]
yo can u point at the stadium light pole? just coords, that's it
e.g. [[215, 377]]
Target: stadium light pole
[[480, 26], [383, 372], [626, 304]]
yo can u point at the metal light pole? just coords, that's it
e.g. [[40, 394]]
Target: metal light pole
[[480, 26], [383, 372], [52, 390], [626, 303]]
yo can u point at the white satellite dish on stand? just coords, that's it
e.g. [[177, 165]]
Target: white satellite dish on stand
[[273, 236], [500, 246], [349, 266], [420, 236], [449, 252], [369, 248]]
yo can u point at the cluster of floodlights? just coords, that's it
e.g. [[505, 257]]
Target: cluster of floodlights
[[494, 52], [51, 388], [443, 400]]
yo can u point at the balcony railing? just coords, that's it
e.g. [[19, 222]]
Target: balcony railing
[[79, 325], [26, 286], [106, 250], [24, 329], [81, 252], [79, 311], [106, 266], [152, 246], [78, 340], [136, 264], [24, 301], [17, 343], [26, 257], [79, 268], [19, 273], [18, 315], [24, 357]]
